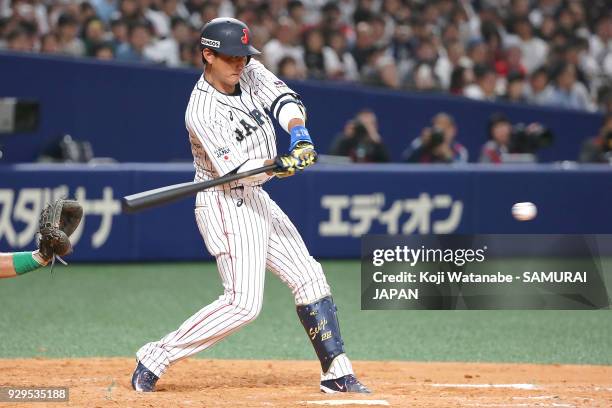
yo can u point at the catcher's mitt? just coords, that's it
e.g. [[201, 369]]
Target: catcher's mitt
[[57, 222]]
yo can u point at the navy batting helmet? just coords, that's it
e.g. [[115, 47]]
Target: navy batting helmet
[[227, 36]]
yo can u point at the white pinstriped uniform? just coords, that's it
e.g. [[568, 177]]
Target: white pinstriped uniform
[[241, 225]]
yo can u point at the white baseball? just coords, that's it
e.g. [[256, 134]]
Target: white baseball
[[524, 211]]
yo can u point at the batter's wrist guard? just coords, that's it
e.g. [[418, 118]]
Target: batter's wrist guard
[[299, 134], [321, 323]]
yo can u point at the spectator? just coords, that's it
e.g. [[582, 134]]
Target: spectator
[[364, 44], [534, 49], [361, 141], [484, 88], [380, 70], [93, 35], [167, 51], [103, 51], [515, 88], [297, 13], [478, 53], [500, 132], [313, 54], [567, 92], [510, 61], [437, 143], [105, 9], [135, 50], [339, 63], [18, 40], [119, 31], [69, 43], [460, 79], [538, 92], [288, 69], [49, 44], [599, 148], [284, 44]]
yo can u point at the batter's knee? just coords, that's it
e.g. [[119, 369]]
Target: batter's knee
[[246, 308], [314, 285]]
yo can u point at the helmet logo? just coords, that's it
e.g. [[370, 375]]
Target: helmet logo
[[245, 37], [210, 43]]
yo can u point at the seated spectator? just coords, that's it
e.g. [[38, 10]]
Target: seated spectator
[[511, 61], [67, 31], [484, 88], [313, 54], [599, 148], [538, 90], [339, 63], [500, 133], [437, 143], [567, 92], [288, 69], [515, 88], [139, 38], [103, 51], [167, 50], [119, 31], [283, 44], [361, 141], [49, 44], [93, 35], [18, 40], [534, 49], [380, 69], [460, 79]]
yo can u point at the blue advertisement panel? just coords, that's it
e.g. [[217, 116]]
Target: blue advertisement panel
[[135, 113], [332, 206]]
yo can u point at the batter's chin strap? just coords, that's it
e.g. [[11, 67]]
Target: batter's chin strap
[[321, 323]]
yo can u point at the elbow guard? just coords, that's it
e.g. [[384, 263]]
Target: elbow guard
[[286, 107]]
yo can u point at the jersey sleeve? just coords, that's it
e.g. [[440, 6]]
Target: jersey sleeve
[[272, 92], [217, 139]]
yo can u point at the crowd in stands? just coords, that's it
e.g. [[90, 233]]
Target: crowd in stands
[[542, 52]]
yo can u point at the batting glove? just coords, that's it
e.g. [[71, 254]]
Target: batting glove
[[305, 153], [286, 165]]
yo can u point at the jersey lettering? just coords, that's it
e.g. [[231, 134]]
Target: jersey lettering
[[258, 116], [248, 127]]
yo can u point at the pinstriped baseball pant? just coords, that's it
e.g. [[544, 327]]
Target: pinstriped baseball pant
[[247, 233]]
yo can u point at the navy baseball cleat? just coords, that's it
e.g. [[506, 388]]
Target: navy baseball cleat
[[348, 383], [143, 380]]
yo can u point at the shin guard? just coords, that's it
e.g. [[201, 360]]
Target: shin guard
[[321, 323]]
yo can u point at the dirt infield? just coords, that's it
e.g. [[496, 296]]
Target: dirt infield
[[104, 382]]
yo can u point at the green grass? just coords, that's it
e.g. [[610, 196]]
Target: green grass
[[111, 310]]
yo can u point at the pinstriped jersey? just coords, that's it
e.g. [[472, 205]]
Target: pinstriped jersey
[[227, 130]]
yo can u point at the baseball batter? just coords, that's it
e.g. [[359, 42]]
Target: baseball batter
[[230, 131]]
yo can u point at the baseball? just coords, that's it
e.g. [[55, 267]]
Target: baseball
[[524, 211]]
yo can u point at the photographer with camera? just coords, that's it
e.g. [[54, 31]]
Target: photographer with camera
[[599, 148], [361, 141], [518, 143], [437, 144]]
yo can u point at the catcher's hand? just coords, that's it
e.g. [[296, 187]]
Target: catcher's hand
[[305, 153], [57, 222]]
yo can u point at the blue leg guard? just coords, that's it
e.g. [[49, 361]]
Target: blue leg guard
[[321, 324]]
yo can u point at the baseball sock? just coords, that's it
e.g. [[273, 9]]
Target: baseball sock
[[25, 262]]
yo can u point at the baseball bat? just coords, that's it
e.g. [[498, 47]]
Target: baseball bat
[[168, 194]]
